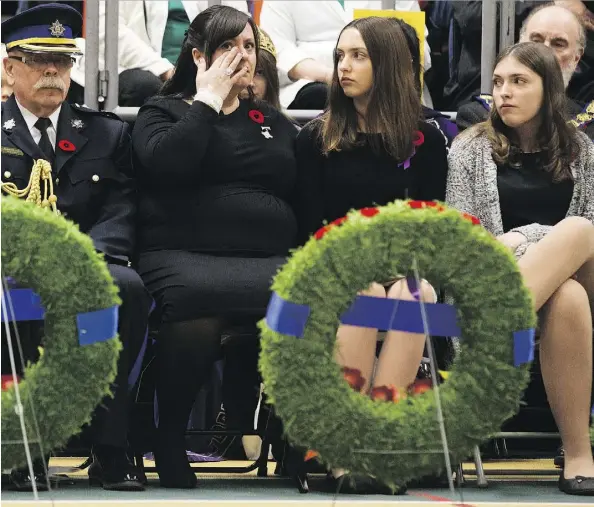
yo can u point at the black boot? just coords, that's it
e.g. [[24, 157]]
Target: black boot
[[186, 352]]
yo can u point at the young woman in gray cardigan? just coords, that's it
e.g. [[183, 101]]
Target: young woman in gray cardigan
[[529, 177]]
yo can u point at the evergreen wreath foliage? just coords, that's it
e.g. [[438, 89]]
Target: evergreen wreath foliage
[[319, 409], [49, 255]]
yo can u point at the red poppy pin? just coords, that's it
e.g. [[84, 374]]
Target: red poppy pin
[[419, 138], [256, 116], [66, 145]]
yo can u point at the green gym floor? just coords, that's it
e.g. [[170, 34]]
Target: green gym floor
[[532, 484]]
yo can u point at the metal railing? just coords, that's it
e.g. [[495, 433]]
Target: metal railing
[[129, 114], [92, 54], [102, 86]]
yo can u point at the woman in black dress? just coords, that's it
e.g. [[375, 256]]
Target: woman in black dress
[[370, 148], [215, 173]]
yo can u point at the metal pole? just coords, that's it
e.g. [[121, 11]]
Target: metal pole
[[507, 23], [214, 2], [387, 5], [111, 54], [488, 48], [92, 54]]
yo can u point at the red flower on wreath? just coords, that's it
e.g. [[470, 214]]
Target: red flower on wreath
[[369, 212], [417, 204], [354, 378], [320, 233], [338, 221], [425, 204], [419, 138], [388, 393], [8, 382], [472, 218], [65, 145], [256, 116], [433, 204]]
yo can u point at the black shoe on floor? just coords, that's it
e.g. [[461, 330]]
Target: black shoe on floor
[[583, 486], [173, 466], [21, 480], [111, 469]]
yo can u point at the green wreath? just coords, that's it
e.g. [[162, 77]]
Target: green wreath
[[49, 255], [319, 409]]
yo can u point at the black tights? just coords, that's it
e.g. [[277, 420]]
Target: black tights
[[186, 352]]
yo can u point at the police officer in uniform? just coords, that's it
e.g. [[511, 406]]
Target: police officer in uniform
[[90, 157]]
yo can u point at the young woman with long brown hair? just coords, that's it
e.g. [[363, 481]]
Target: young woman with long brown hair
[[370, 148], [528, 176]]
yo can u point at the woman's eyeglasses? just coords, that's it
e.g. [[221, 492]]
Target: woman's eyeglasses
[[40, 62]]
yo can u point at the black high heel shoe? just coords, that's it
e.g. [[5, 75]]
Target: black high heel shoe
[[579, 485], [295, 467], [173, 466]]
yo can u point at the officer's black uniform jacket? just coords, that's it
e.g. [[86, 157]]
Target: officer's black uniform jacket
[[92, 173]]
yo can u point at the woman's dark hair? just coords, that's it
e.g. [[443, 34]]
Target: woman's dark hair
[[414, 46], [555, 135], [394, 107], [211, 28], [267, 66]]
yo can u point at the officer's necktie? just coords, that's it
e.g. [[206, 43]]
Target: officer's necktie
[[42, 124]]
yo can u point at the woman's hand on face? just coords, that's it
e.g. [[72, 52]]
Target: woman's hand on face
[[220, 76], [512, 240]]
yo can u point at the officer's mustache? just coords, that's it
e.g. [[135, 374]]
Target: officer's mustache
[[50, 82]]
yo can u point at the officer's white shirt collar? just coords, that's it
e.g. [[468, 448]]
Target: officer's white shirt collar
[[31, 119]]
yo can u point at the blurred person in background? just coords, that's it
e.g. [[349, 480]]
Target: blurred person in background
[[265, 85], [6, 80], [305, 34], [150, 37], [564, 32]]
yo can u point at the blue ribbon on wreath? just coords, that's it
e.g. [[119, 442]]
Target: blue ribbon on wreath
[[388, 314], [93, 327]]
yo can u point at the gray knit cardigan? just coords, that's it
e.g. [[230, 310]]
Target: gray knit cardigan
[[472, 184]]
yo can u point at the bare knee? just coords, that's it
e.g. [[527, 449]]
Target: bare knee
[[579, 223], [582, 228], [569, 303], [375, 290], [400, 290]]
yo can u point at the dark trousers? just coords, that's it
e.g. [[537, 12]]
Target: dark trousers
[[110, 420], [110, 423]]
